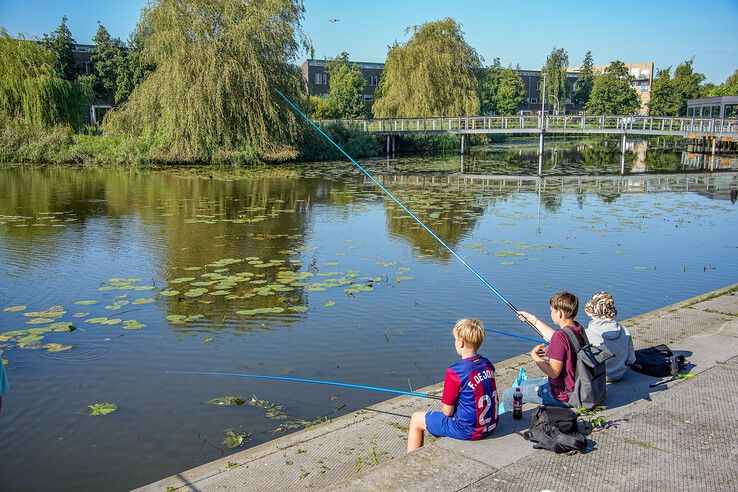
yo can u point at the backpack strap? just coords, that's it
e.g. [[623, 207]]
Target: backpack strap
[[573, 339], [574, 441]]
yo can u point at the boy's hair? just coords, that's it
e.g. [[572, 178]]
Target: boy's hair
[[566, 302], [601, 305], [471, 330]]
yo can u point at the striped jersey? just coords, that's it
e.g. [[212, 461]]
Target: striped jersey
[[470, 385]]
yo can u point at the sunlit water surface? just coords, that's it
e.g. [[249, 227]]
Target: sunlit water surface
[[354, 291]]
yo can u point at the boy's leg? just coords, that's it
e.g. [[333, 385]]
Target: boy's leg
[[530, 388], [416, 434]]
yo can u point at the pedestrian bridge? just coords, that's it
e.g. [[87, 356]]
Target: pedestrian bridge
[[624, 125]]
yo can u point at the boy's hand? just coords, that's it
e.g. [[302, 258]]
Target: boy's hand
[[538, 351], [526, 317]]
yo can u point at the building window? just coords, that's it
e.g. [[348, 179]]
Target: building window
[[533, 100], [690, 111], [373, 80], [321, 78]]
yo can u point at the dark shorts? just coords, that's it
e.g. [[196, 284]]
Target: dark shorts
[[441, 425]]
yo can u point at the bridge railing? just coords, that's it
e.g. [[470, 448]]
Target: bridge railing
[[556, 123]]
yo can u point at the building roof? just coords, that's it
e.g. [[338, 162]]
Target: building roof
[[312, 62], [713, 100]]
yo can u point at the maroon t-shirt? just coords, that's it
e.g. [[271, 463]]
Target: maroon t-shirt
[[560, 349]]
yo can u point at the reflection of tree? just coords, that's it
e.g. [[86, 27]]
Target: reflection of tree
[[451, 214], [601, 159], [662, 160]]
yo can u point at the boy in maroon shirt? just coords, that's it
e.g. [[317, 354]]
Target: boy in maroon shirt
[[558, 362]]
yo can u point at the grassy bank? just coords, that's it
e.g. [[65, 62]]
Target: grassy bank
[[21, 143]]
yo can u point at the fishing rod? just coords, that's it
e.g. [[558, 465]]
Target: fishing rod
[[414, 217], [301, 380]]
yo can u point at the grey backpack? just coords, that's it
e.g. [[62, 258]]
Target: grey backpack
[[589, 377]]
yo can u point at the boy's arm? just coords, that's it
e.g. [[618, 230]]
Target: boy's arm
[[451, 389], [541, 327], [448, 410], [551, 368]]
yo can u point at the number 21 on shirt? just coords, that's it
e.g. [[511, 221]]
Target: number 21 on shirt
[[485, 404]]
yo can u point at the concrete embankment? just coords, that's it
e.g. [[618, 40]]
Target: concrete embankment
[[680, 434]]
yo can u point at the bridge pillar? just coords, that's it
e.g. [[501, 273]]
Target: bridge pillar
[[394, 143], [388, 144], [540, 153], [463, 142]]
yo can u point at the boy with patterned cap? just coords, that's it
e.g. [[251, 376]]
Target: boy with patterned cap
[[603, 330], [469, 393]]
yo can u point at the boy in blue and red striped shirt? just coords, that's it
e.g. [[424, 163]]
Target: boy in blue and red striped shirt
[[469, 393]]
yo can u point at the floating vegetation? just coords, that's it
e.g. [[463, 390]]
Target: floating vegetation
[[15, 309], [169, 293], [329, 304], [227, 401], [143, 300], [97, 409], [52, 312], [132, 324], [180, 318], [206, 340], [117, 305], [85, 303], [56, 347], [234, 439], [251, 312], [298, 309]]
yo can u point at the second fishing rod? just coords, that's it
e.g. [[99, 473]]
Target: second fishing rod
[[413, 216]]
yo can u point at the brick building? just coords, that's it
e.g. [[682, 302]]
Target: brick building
[[317, 79]]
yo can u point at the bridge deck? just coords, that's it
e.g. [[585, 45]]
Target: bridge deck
[[628, 125]]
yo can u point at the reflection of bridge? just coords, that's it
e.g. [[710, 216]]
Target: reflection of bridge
[[714, 185], [708, 129]]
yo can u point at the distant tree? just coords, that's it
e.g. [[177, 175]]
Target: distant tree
[[510, 92], [138, 63], [218, 66], [585, 80], [33, 91], [555, 71], [612, 92], [107, 57], [686, 82], [320, 108], [346, 92], [665, 100], [432, 74], [489, 81], [728, 88], [61, 43]]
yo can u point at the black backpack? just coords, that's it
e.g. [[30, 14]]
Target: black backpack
[[658, 361], [590, 383], [555, 429]]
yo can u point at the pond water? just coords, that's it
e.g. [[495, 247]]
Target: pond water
[[306, 271]]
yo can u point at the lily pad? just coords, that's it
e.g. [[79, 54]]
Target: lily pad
[[96, 321], [143, 300], [249, 312], [14, 309], [39, 321], [97, 409], [85, 303], [298, 309], [206, 340], [61, 326], [169, 293], [111, 321], [132, 324], [56, 347], [329, 304]]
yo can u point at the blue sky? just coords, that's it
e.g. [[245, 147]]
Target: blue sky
[[518, 32]]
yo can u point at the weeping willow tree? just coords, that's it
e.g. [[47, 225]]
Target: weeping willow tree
[[31, 89], [432, 74], [218, 66]]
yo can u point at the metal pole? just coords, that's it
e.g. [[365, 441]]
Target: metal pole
[[543, 126]]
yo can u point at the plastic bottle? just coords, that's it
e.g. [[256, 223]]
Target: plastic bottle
[[517, 404]]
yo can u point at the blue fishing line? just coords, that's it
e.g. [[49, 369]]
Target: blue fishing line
[[313, 381], [422, 224], [522, 337]]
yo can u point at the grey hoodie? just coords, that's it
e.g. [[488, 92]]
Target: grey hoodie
[[616, 338]]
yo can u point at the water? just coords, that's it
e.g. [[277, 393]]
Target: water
[[64, 233]]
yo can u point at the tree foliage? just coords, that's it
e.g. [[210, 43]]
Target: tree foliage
[[61, 44], [686, 83], [107, 58], [585, 80], [612, 92], [555, 71], [665, 101], [489, 82], [33, 91], [432, 74], [346, 92], [137, 62], [218, 66], [728, 88], [510, 92]]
